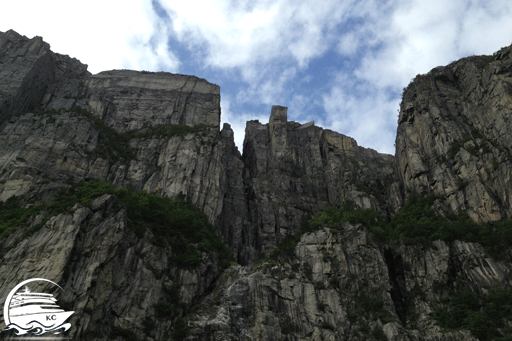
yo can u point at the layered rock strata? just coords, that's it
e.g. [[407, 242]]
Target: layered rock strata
[[109, 276], [120, 126]]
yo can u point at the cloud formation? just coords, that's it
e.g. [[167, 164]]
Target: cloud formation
[[103, 34], [340, 63]]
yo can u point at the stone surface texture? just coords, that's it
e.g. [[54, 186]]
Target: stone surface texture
[[453, 135], [160, 133], [293, 171], [317, 294]]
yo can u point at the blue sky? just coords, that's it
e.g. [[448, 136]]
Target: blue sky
[[342, 64]]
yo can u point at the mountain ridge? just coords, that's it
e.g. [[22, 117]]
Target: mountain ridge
[[305, 271]]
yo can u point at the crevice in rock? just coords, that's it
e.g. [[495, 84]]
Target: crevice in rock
[[398, 293]]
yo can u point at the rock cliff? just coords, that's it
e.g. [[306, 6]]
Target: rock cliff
[[454, 135], [123, 188], [292, 171]]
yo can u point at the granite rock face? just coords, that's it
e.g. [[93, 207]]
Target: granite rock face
[[128, 100], [454, 136], [342, 285], [112, 277], [27, 71], [160, 133], [77, 119], [293, 171]]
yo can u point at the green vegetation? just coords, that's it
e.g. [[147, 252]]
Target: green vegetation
[[456, 146], [149, 325], [484, 315], [177, 223], [349, 212], [126, 334], [365, 304], [180, 331], [286, 247], [416, 223], [378, 334], [168, 130], [13, 215], [112, 146], [326, 325], [486, 60], [170, 307]]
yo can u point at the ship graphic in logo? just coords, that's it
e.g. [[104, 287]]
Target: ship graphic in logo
[[34, 312]]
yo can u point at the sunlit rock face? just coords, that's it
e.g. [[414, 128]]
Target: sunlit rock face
[[160, 133]]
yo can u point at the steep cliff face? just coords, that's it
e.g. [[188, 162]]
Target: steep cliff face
[[157, 132], [293, 171], [110, 275], [137, 265], [27, 71], [342, 285], [454, 136]]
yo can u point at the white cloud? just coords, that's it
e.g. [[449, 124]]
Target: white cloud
[[238, 120], [241, 36], [270, 45], [268, 90], [367, 115], [415, 37], [419, 36], [348, 44], [105, 35]]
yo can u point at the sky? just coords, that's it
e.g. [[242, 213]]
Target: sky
[[342, 64]]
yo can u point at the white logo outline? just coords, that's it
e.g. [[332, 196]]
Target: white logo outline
[[32, 326]]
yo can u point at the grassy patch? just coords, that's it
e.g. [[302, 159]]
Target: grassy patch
[[12, 214], [112, 146], [369, 304], [168, 130], [418, 223]]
